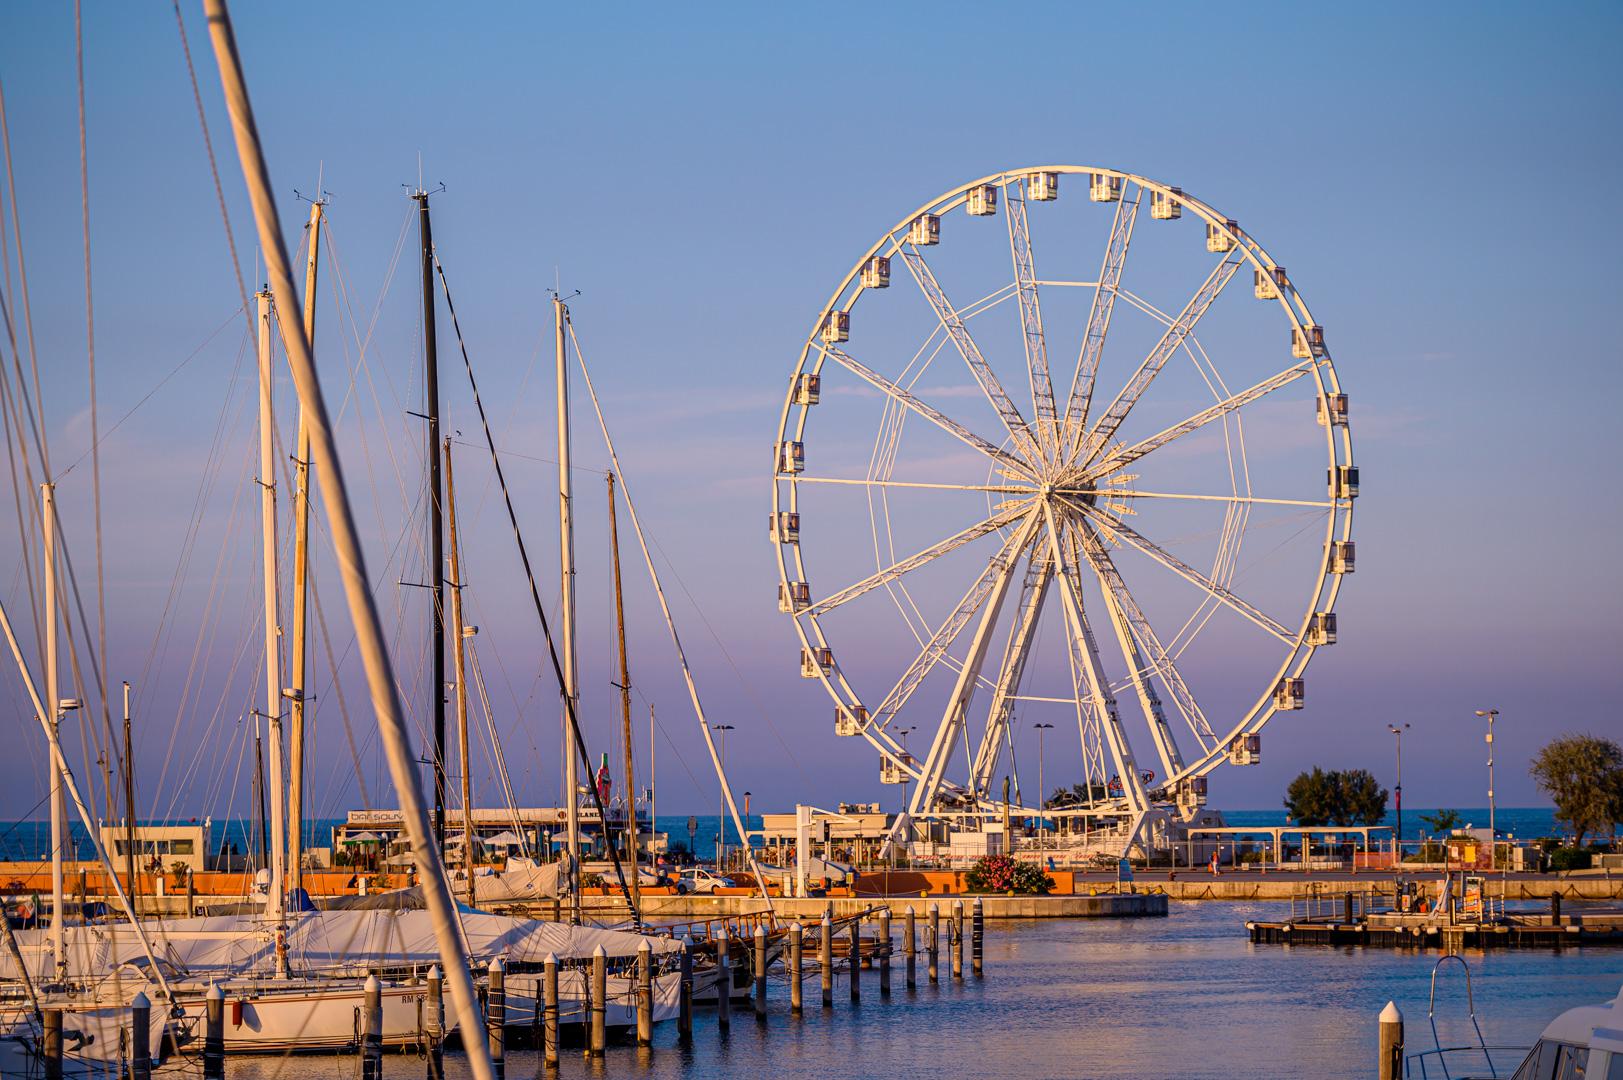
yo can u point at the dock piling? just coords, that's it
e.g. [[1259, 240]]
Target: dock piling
[[600, 1001], [882, 951], [724, 980], [825, 960], [1390, 1064], [856, 959], [436, 1024], [141, 1037], [932, 941], [759, 958], [371, 1030], [51, 1043], [684, 995], [797, 945], [957, 940], [549, 1012], [910, 946], [496, 1015], [977, 938], [214, 1033], [645, 994]]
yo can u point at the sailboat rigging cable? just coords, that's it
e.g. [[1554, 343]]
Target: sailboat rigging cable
[[535, 595]]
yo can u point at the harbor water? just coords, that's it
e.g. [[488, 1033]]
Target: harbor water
[[1184, 996]]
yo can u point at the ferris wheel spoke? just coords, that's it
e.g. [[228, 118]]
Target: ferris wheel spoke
[[1171, 340], [936, 417], [1120, 530], [1039, 572], [1031, 315], [1104, 303], [857, 481], [945, 634], [952, 321], [952, 718], [1243, 500], [1138, 636], [1098, 686], [1127, 455], [914, 561]]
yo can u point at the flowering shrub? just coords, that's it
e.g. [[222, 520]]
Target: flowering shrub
[[1006, 874]]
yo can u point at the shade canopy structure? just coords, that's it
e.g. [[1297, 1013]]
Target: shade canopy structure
[[504, 839]]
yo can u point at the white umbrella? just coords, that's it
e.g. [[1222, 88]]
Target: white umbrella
[[363, 838], [505, 839]]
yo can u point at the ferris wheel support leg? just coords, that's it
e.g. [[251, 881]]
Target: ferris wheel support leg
[[1039, 572]]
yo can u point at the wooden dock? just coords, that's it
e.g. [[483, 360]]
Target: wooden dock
[[1392, 930]]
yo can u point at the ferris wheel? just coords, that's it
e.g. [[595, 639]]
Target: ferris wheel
[[1039, 465]]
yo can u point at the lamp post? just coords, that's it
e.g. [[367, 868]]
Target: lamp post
[[721, 816], [902, 734], [1493, 834], [1397, 792], [1042, 800]]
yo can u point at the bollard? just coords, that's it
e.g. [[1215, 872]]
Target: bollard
[[958, 943], [51, 1043], [645, 994], [882, 951], [1390, 1063], [825, 960], [724, 980], [760, 971], [496, 1016], [910, 947], [797, 945], [214, 1033], [549, 1012], [436, 1024], [856, 959], [140, 1037], [977, 938], [600, 1000], [932, 941], [684, 995], [372, 1030]]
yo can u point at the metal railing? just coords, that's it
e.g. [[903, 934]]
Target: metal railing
[[1463, 1062]]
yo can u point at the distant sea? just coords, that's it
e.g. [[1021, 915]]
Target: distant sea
[[22, 841]]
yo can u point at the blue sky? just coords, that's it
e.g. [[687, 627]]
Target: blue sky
[[1434, 178]]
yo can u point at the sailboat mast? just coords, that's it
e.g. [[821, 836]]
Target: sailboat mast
[[301, 581], [566, 548], [273, 629], [625, 706], [59, 809], [458, 633], [436, 542], [129, 799]]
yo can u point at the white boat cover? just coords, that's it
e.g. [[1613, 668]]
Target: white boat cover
[[326, 942]]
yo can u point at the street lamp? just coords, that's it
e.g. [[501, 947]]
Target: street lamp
[[902, 734], [1042, 800], [1493, 835], [1397, 791], [721, 817]]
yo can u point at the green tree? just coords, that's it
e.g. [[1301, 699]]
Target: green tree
[[1583, 776], [1335, 798], [1443, 821]]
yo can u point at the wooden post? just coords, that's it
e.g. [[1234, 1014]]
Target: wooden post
[[436, 1024], [724, 980], [372, 1030], [825, 960], [549, 1011], [214, 1034], [977, 937], [191, 894], [600, 1000], [1555, 909], [910, 946], [856, 959], [684, 999], [958, 940], [797, 945], [760, 971], [1390, 1062], [932, 941], [496, 1016], [882, 951], [140, 1038], [645, 994], [51, 1043]]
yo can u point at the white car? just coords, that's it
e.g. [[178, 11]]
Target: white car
[[697, 880]]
